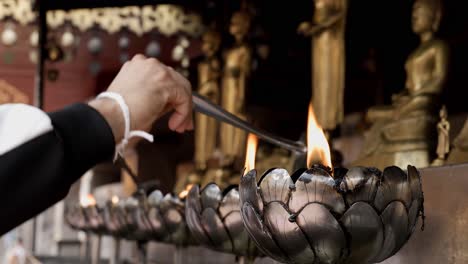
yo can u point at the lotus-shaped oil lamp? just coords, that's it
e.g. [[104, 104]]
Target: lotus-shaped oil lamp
[[214, 216], [136, 219], [317, 215], [115, 217], [215, 221], [87, 216], [75, 218], [166, 216]]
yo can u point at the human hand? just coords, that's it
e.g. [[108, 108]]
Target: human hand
[[150, 90]]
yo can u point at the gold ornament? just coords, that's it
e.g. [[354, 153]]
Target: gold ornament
[[167, 19]]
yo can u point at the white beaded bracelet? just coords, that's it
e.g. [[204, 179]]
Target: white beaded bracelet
[[120, 148]]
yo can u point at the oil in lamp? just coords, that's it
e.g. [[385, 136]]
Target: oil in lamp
[[325, 215], [213, 216]]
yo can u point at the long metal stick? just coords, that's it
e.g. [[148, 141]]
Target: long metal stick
[[121, 161], [204, 106]]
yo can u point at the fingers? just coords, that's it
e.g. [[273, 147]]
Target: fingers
[[161, 89], [138, 57], [182, 119]]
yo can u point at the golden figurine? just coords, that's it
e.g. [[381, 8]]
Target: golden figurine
[[234, 81], [443, 143], [459, 152], [209, 71], [328, 60], [403, 132]]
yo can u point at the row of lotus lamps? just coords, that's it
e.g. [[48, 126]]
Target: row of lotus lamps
[[315, 215]]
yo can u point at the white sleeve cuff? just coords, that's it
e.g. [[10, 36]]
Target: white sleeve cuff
[[20, 123]]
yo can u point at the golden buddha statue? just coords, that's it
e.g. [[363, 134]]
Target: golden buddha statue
[[443, 142], [209, 71], [402, 133], [459, 152], [328, 60], [234, 81]]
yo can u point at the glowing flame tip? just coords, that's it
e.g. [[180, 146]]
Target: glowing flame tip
[[318, 149], [89, 200], [185, 192], [252, 142]]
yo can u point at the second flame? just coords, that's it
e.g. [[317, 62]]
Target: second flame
[[318, 149], [88, 201], [252, 142], [185, 192]]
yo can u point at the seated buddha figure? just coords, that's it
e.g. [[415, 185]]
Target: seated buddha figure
[[402, 132]]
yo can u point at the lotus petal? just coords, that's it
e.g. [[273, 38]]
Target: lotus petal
[[365, 232], [215, 228], [287, 234], [230, 203], [248, 191], [131, 202], [275, 186], [143, 222], [360, 184], [194, 224], [415, 183], [155, 197], [156, 222], [312, 187], [323, 232], [173, 219], [395, 221], [260, 234], [210, 196], [235, 228], [193, 199], [394, 187], [413, 215]]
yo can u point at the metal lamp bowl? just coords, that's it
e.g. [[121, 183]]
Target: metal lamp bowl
[[75, 218], [215, 220], [167, 218], [88, 219], [114, 218], [136, 219], [360, 216]]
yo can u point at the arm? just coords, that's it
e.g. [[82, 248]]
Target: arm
[[41, 155], [39, 172], [310, 29]]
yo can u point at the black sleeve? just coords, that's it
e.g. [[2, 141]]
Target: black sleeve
[[40, 172]]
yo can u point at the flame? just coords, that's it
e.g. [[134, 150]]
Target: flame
[[318, 149], [89, 200], [115, 199], [252, 142], [185, 192]]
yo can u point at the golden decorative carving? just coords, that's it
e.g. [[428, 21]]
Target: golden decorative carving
[[167, 19], [10, 94]]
